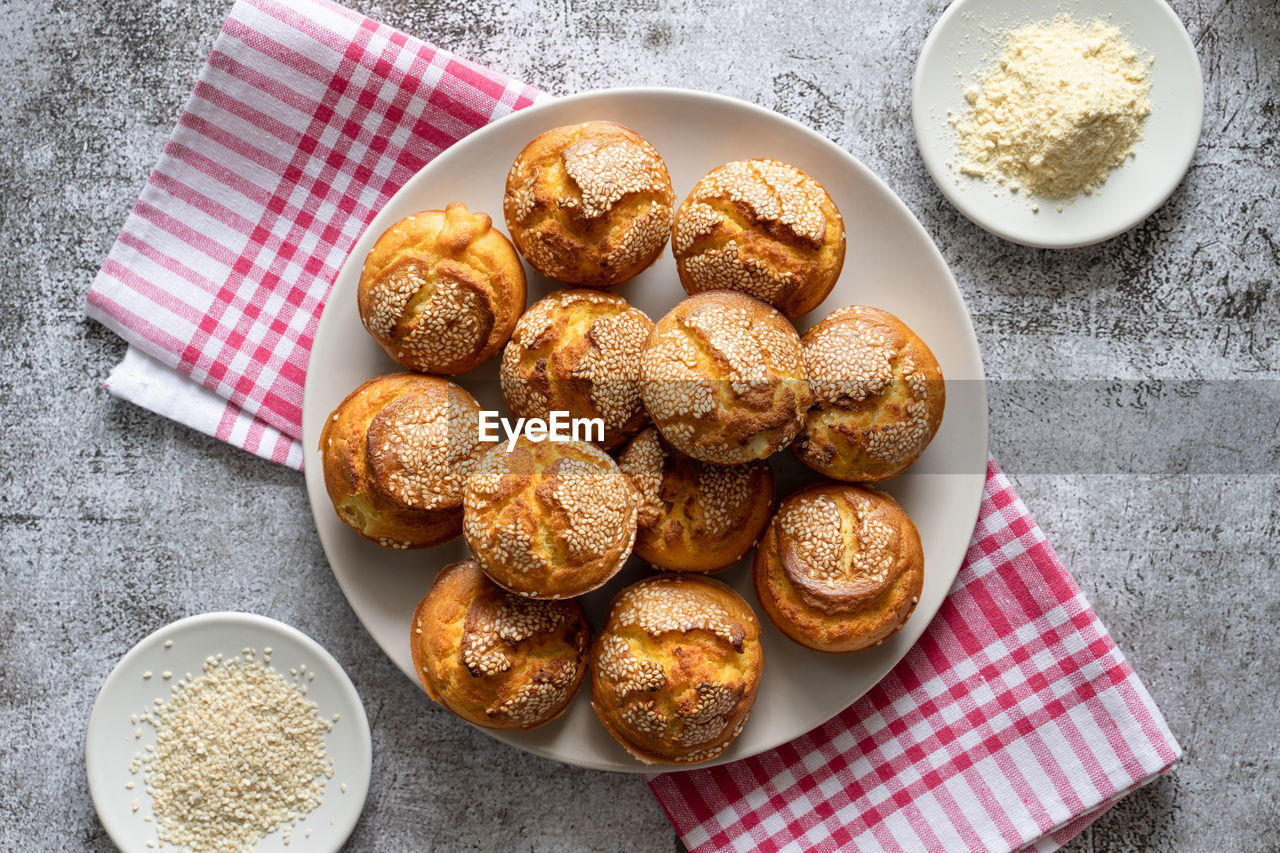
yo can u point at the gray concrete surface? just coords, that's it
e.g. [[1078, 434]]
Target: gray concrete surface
[[114, 521]]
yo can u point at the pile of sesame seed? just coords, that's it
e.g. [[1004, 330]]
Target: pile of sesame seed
[[239, 753]]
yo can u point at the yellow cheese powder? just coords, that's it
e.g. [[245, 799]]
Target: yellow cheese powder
[[1060, 109]]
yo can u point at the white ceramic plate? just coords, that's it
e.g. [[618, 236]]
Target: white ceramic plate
[[891, 263], [965, 41], [111, 744]]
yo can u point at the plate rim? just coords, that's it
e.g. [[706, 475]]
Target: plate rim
[[940, 174], [314, 478], [95, 730]]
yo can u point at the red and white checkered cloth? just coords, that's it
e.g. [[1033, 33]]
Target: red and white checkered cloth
[[1014, 722], [305, 121]]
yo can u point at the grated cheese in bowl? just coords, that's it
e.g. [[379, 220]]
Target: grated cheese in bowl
[[1062, 106]]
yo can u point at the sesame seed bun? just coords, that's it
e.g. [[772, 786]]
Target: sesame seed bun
[[840, 567], [549, 519], [675, 669], [441, 290], [579, 351], [589, 204], [396, 453], [880, 396], [695, 516], [763, 228], [723, 378], [493, 658]]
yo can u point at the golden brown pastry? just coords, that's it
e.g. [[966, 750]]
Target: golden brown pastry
[[396, 453], [549, 519], [695, 516], [493, 658], [578, 351], [674, 670], [763, 228], [441, 290], [879, 394], [840, 567], [589, 203], [723, 378]]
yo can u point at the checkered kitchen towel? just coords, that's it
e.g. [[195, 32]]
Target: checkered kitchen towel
[[1013, 722], [305, 121]]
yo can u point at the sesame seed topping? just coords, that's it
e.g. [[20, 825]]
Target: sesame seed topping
[[837, 537], [493, 627], [696, 220], [715, 269], [628, 673], [644, 463], [550, 514], [719, 354], [573, 341], [659, 608], [606, 170], [772, 191]]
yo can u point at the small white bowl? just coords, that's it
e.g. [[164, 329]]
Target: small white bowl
[[965, 41], [111, 742]]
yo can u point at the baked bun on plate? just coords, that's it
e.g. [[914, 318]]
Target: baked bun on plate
[[589, 204], [723, 378], [840, 567], [549, 519], [695, 516], [441, 290], [880, 396], [674, 670], [396, 453], [578, 351], [493, 658], [763, 228]]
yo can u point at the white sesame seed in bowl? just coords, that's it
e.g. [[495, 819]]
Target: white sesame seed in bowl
[[890, 263], [258, 740]]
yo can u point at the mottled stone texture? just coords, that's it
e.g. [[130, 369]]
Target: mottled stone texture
[[114, 521]]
